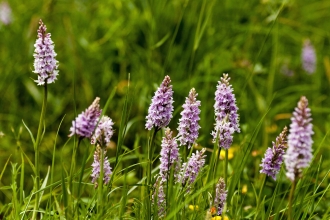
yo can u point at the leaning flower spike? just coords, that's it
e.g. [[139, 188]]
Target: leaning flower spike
[[189, 171], [220, 196], [271, 163], [169, 156], [188, 123], [5, 13], [308, 57], [161, 108], [299, 153], [45, 64], [85, 123], [226, 116], [97, 167], [103, 132], [159, 195]]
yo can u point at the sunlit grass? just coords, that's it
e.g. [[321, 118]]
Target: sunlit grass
[[120, 51]]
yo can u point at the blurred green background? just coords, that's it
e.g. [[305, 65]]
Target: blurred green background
[[100, 43]]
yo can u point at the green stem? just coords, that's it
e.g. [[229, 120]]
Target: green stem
[[72, 168], [216, 163], [259, 199], [185, 154], [149, 166], [293, 187], [225, 167], [73, 162], [36, 150], [184, 208], [100, 185]]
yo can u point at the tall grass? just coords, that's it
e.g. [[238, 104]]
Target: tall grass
[[120, 51]]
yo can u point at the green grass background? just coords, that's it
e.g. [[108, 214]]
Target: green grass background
[[103, 44]]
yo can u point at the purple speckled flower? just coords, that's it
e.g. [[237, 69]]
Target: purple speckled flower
[[103, 132], [160, 195], [169, 156], [308, 57], [226, 116], [189, 171], [188, 123], [5, 13], [85, 123], [161, 108], [299, 153], [273, 159], [96, 171], [225, 137], [45, 64], [220, 196]]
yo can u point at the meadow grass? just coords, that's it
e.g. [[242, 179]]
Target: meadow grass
[[121, 51]]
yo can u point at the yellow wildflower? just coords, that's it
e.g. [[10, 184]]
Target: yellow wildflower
[[244, 189], [193, 207]]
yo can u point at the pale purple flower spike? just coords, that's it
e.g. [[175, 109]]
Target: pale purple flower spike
[[226, 116], [308, 57], [45, 64], [96, 171], [273, 159], [189, 171], [5, 13], [299, 153], [161, 108], [103, 132], [85, 123], [188, 123], [220, 196], [169, 156], [160, 195]]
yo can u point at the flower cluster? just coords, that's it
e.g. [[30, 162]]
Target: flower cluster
[[161, 108], [220, 196], [273, 159], [159, 194], [190, 170], [45, 64], [226, 116], [299, 153], [85, 123], [96, 171], [169, 156], [103, 132], [5, 13], [188, 123], [308, 57]]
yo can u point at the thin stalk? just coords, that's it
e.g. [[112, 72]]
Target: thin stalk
[[72, 168], [100, 186], [260, 192], [216, 163], [184, 207], [185, 154], [73, 161], [225, 167], [293, 187], [36, 150], [149, 166], [167, 179]]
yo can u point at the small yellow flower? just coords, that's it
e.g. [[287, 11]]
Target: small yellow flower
[[193, 207], [220, 218], [231, 152], [244, 189]]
